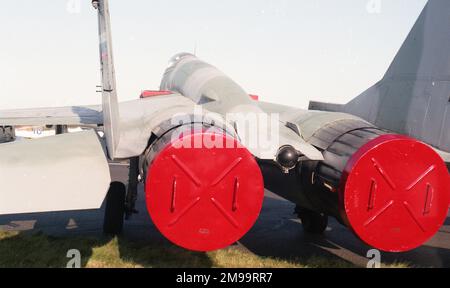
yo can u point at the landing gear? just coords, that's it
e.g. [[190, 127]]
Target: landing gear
[[313, 222], [61, 129], [131, 198], [115, 209]]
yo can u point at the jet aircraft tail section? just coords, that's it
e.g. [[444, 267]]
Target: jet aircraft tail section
[[413, 97]]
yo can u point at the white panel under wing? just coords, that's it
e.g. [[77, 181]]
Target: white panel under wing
[[59, 173]]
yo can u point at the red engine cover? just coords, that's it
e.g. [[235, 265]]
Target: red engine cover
[[204, 198], [151, 93], [395, 193]]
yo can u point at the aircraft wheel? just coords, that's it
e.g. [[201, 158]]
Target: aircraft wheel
[[115, 209], [312, 222]]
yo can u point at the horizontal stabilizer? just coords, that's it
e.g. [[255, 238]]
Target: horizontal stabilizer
[[329, 107], [60, 173], [75, 115]]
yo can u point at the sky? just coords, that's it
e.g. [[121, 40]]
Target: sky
[[285, 51]]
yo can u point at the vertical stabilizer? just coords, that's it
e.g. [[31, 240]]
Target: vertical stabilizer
[[109, 91], [413, 97]]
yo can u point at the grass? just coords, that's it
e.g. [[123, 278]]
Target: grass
[[39, 250]]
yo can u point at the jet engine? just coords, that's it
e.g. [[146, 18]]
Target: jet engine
[[392, 191], [198, 190]]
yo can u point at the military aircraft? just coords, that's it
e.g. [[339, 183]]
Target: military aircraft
[[193, 144]]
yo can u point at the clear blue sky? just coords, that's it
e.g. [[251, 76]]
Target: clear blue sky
[[286, 51]]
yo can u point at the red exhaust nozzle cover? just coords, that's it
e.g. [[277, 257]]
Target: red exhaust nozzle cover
[[395, 193], [204, 198]]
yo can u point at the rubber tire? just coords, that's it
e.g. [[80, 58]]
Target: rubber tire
[[313, 222], [115, 209]]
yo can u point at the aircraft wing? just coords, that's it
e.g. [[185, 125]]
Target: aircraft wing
[[59, 173], [75, 115]]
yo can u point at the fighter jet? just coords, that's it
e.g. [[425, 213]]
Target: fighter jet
[[376, 164]]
